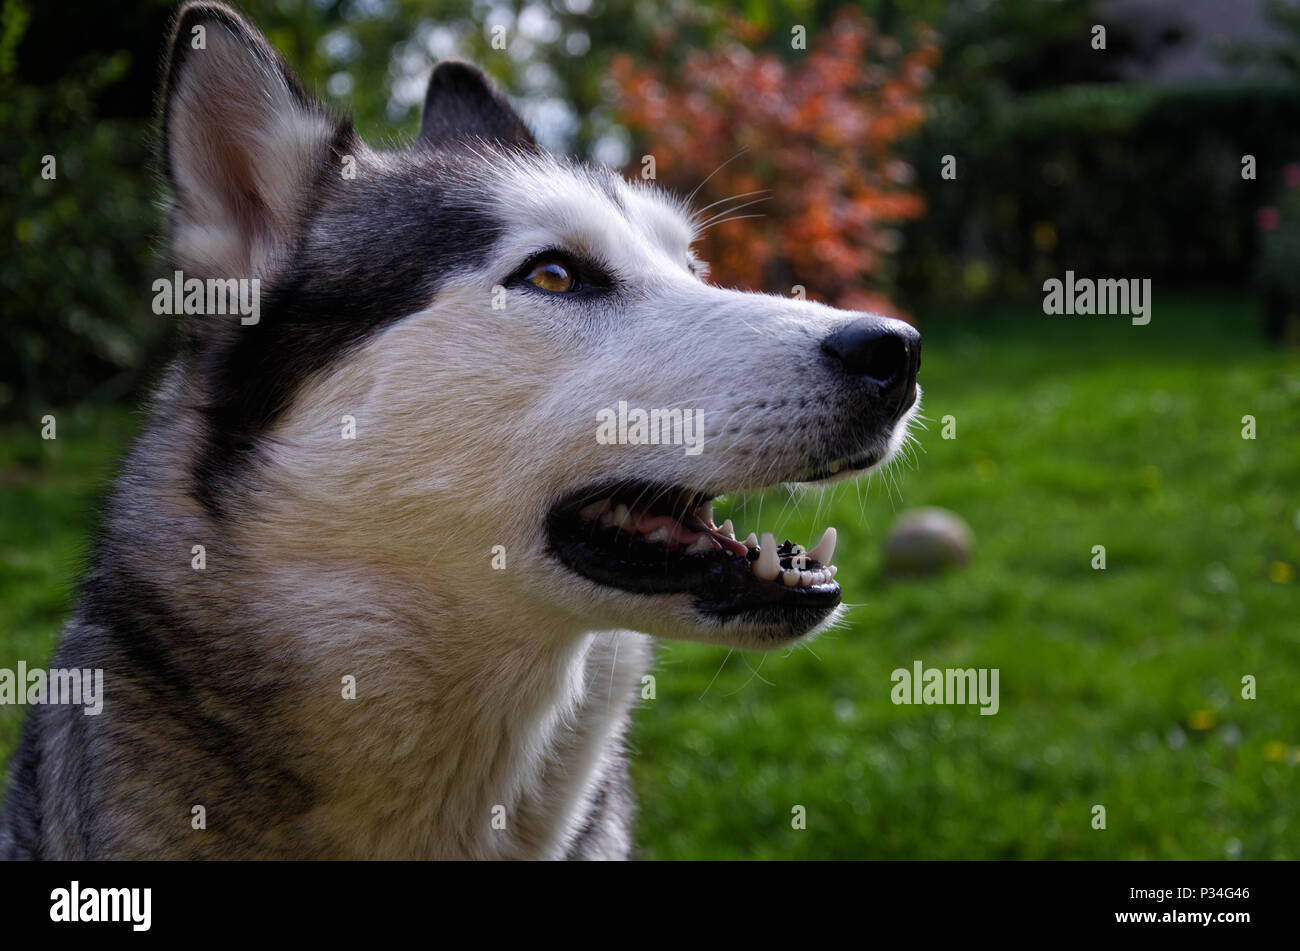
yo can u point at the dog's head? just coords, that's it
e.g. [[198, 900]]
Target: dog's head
[[486, 365]]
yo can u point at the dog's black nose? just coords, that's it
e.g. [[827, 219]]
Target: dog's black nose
[[883, 351]]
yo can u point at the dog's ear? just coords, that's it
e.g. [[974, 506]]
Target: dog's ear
[[462, 104], [242, 145]]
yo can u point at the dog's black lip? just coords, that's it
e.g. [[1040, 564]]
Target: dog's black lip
[[724, 585]]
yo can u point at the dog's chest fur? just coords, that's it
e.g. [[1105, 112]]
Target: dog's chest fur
[[483, 725], [516, 754]]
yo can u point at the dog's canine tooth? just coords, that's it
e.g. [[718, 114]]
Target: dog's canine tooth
[[623, 518], [751, 541], [825, 549], [768, 565], [705, 514], [728, 529], [594, 511]]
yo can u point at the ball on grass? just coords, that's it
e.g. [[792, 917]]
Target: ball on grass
[[928, 541]]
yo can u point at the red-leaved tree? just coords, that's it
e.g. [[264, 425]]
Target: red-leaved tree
[[819, 129]]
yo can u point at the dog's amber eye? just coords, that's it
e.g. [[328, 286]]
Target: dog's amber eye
[[551, 276]]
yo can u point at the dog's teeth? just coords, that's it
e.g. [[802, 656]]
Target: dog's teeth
[[832, 569], [806, 579], [768, 565], [702, 544], [594, 511], [825, 549], [660, 535], [623, 518], [790, 579], [728, 529], [705, 513], [751, 541]]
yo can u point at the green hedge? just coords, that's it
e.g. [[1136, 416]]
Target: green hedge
[[1107, 179]]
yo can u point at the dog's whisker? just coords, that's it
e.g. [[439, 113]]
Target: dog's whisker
[[728, 220], [757, 191], [753, 672], [730, 211], [696, 189], [718, 671]]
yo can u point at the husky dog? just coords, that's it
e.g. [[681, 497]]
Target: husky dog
[[369, 584]]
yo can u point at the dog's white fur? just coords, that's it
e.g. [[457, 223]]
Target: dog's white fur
[[477, 688]]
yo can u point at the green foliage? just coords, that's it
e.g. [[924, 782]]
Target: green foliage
[[1105, 179], [77, 318], [1279, 262], [1063, 165]]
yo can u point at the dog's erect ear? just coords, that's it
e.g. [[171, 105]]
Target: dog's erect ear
[[462, 104], [242, 145]]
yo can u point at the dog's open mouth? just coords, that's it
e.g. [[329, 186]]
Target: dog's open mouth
[[662, 540]]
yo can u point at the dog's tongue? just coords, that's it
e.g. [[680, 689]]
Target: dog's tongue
[[682, 533], [694, 523]]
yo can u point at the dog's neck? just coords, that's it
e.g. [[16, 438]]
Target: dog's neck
[[477, 730]]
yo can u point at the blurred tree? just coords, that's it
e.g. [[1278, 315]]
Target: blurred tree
[[818, 135]]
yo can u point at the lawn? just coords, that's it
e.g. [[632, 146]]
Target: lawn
[[1119, 687]]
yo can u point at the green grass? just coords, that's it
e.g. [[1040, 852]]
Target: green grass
[[1119, 687], [48, 493]]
